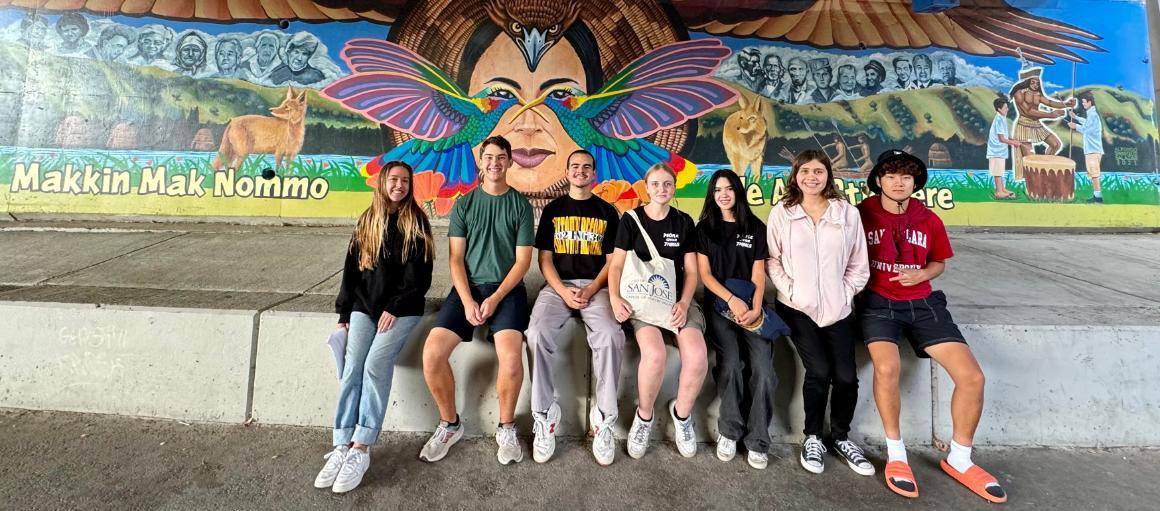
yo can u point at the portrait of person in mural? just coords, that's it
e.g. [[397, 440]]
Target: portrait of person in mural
[[1034, 107], [946, 72], [875, 74], [72, 29], [1091, 127], [753, 73], [33, 29], [861, 154], [823, 79], [847, 84], [903, 72], [152, 40], [775, 88], [296, 68], [264, 58], [112, 43], [190, 58], [227, 53], [922, 70], [840, 162], [800, 92]]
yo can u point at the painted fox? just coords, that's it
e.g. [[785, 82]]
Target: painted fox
[[280, 135], [744, 137]]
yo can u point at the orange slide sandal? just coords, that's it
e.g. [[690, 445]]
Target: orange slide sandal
[[899, 470], [977, 479]]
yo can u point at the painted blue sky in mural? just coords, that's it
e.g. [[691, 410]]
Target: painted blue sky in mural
[[1121, 23]]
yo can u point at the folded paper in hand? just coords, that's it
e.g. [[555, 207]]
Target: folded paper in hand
[[337, 343]]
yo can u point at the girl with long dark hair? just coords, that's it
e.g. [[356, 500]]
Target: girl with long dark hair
[[384, 282], [817, 261], [731, 256]]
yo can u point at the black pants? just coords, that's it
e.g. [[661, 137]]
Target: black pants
[[828, 356], [745, 382]]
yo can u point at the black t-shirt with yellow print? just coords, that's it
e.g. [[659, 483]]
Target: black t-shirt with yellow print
[[579, 233]]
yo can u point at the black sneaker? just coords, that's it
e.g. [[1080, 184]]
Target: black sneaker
[[812, 451], [1095, 200], [854, 457]]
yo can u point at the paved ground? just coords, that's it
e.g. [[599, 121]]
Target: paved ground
[[57, 460]]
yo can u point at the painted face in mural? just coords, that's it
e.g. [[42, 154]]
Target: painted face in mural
[[797, 72], [70, 33], [823, 76], [227, 55], [267, 48], [922, 69], [398, 182], [903, 70], [846, 78], [581, 170], [773, 69], [150, 45], [811, 177], [1034, 84], [494, 163], [34, 33], [298, 56], [872, 78], [191, 56], [946, 71], [540, 144], [750, 62], [113, 47], [724, 194]]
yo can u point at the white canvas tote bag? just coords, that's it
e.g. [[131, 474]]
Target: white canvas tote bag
[[649, 287]]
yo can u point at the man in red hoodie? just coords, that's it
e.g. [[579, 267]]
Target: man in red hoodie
[[908, 247]]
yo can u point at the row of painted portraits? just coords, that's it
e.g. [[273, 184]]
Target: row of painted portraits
[[269, 57]]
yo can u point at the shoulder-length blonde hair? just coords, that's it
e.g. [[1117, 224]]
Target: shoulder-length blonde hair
[[793, 192], [413, 224]]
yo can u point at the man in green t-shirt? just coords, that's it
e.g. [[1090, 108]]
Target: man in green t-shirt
[[491, 239]]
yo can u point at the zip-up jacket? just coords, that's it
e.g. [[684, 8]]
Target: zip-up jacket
[[817, 269]]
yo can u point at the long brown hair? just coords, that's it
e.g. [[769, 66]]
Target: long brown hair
[[413, 222], [793, 193]]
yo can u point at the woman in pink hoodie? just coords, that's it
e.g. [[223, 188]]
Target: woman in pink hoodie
[[817, 262]]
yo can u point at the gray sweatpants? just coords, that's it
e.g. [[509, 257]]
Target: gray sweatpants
[[550, 316]]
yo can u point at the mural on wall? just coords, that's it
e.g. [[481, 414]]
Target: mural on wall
[[255, 108]]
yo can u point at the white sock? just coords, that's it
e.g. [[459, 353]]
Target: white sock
[[1097, 194], [895, 450], [960, 457]]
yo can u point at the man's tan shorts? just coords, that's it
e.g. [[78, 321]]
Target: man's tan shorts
[[997, 167], [1093, 164]]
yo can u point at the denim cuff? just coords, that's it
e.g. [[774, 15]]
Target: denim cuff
[[366, 436], [343, 436]]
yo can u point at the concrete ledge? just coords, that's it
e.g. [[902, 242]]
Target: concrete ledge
[[1063, 386], [182, 364]]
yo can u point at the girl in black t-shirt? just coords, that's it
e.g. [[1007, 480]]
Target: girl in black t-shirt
[[671, 231], [731, 253]]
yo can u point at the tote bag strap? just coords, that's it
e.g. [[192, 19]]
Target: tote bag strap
[[652, 249]]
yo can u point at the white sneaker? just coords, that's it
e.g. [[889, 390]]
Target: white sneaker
[[603, 439], [509, 445], [812, 451], [544, 428], [638, 436], [686, 435], [436, 448], [758, 460], [334, 459], [353, 469], [726, 448]]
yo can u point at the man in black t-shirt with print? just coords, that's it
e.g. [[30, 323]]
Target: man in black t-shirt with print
[[574, 239]]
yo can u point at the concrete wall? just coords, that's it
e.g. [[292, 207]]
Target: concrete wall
[[1076, 386]]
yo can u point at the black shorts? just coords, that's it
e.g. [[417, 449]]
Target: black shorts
[[924, 322], [512, 313]]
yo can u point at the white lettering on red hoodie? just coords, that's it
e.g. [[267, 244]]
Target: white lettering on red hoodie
[[817, 269]]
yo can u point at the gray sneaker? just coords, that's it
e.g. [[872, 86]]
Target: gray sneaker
[[686, 434], [444, 437], [638, 436], [509, 445], [603, 440], [544, 428], [353, 469], [758, 460], [334, 459]]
